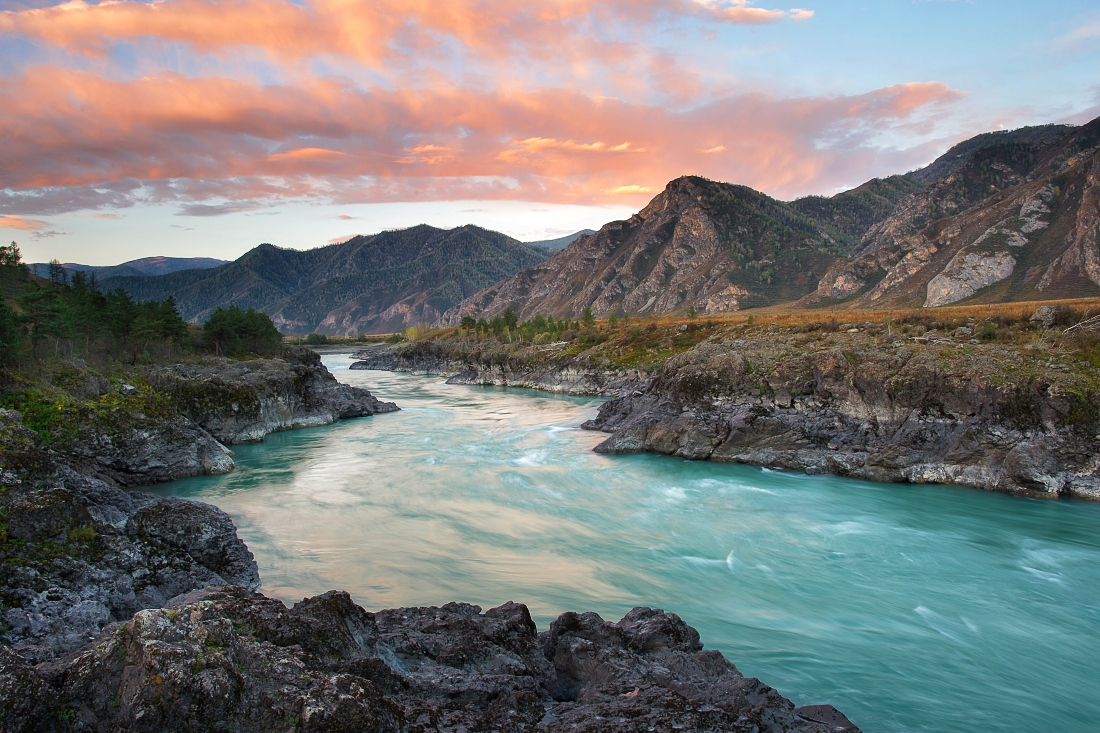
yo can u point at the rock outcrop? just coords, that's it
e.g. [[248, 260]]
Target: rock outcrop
[[77, 553], [223, 658], [546, 367], [178, 419], [934, 408], [242, 401]]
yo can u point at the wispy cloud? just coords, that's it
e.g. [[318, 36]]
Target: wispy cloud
[[195, 139], [18, 222], [211, 209]]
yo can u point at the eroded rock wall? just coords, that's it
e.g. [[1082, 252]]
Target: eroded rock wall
[[859, 405]]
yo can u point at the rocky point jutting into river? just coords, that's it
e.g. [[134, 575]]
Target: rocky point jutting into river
[[873, 401], [124, 611]]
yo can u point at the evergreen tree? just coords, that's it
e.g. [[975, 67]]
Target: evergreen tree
[[232, 331], [57, 274], [587, 318], [11, 333]]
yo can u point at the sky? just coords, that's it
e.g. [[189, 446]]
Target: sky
[[205, 127]]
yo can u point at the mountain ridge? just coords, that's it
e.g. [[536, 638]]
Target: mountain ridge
[[141, 267], [880, 239], [372, 284]]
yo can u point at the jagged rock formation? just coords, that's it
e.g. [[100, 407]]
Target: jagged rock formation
[[860, 405], [227, 659], [370, 284], [1013, 220], [79, 553]]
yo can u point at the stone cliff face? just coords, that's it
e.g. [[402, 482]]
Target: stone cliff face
[[1014, 221], [226, 659], [860, 405]]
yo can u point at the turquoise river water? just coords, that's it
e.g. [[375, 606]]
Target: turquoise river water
[[910, 608]]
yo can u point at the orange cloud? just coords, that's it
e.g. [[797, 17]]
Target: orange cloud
[[71, 136], [369, 31], [9, 221]]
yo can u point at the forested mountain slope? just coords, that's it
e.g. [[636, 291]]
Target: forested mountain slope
[[369, 284]]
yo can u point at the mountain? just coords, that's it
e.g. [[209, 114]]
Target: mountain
[[143, 267], [1015, 219], [1003, 216], [371, 284], [560, 243], [716, 246]]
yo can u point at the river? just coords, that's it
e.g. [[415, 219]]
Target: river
[[910, 608]]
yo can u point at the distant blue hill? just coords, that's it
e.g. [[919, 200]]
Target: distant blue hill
[[144, 267], [561, 242]]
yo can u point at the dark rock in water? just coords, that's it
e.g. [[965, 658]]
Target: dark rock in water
[[227, 659]]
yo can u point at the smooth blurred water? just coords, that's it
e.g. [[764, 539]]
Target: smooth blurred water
[[910, 608]]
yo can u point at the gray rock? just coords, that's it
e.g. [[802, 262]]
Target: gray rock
[[226, 659], [1043, 317]]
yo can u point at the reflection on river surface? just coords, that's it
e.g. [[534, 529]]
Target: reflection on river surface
[[910, 608]]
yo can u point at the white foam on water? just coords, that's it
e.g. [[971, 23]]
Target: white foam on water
[[701, 560], [937, 623], [537, 458], [1051, 577], [675, 493], [731, 561]]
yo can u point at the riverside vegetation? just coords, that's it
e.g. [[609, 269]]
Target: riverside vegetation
[[126, 611]]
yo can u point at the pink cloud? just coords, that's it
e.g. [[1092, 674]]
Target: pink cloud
[[9, 221], [193, 139]]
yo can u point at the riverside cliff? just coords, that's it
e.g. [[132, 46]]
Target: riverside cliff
[[1002, 404], [78, 550]]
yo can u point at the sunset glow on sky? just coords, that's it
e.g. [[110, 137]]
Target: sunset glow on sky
[[204, 127]]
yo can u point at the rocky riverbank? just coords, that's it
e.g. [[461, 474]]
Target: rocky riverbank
[[552, 367], [1016, 410], [78, 550], [159, 423], [223, 658], [123, 611]]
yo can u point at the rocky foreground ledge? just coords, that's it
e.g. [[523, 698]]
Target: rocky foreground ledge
[[78, 550], [908, 404], [223, 658]]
